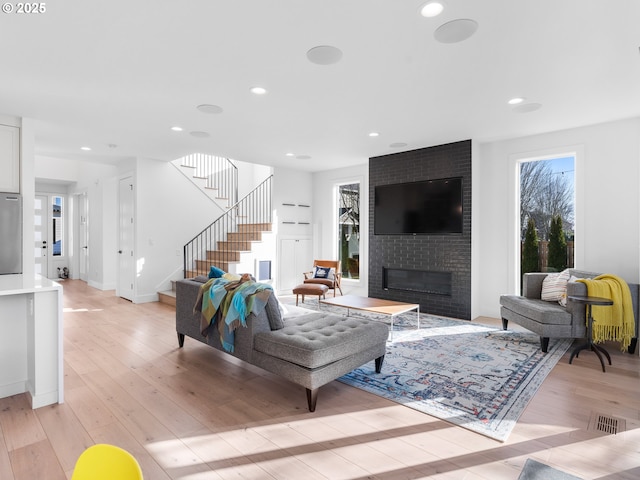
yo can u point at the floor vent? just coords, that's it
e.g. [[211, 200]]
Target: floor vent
[[607, 424]]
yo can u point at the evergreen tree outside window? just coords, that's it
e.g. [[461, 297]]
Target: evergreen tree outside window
[[530, 256], [557, 246]]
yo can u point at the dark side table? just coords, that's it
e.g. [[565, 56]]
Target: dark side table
[[589, 302]]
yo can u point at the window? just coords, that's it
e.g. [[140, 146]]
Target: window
[[57, 225], [349, 229], [547, 213]]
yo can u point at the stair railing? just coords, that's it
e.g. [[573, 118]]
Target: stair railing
[[219, 173], [222, 242]]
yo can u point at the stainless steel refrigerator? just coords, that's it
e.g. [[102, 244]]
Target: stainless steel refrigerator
[[10, 233]]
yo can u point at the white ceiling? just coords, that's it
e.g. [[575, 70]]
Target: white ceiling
[[124, 72]]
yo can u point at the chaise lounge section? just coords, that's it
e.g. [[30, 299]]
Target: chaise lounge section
[[308, 348]]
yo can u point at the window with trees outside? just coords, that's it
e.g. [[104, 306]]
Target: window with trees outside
[[547, 214], [349, 229]]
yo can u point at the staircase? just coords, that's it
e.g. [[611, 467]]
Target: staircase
[[228, 241], [216, 176], [231, 240]]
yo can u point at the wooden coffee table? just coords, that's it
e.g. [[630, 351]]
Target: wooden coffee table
[[374, 305]]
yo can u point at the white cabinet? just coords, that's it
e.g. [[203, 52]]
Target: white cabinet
[[9, 159], [31, 349], [294, 259]]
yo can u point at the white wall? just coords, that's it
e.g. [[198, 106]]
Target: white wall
[[169, 212], [291, 186], [607, 204], [250, 176]]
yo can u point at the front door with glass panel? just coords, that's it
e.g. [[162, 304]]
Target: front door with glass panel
[[49, 233]]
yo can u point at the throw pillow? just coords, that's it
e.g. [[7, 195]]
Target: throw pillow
[[215, 272], [563, 300], [554, 286], [327, 273]]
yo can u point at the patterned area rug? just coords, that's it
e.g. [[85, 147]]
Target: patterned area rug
[[476, 376], [534, 470]]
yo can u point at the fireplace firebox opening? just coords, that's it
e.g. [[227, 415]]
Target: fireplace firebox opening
[[437, 283]]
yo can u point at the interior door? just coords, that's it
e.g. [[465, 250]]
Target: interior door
[[83, 236], [41, 234], [126, 258]]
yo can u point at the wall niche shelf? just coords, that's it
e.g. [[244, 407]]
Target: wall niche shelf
[[301, 215]]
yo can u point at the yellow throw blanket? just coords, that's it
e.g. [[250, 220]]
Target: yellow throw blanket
[[616, 322]]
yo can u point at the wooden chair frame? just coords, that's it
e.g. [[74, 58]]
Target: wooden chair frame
[[332, 285]]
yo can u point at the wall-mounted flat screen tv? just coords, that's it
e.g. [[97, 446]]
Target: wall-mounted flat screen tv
[[419, 208]]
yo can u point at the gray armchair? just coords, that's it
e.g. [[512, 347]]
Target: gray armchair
[[550, 319]]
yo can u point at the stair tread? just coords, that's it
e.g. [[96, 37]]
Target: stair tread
[[167, 297]]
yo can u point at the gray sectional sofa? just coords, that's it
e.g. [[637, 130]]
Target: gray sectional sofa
[[550, 319], [306, 347]]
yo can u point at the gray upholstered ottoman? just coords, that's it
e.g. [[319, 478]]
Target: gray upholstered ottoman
[[315, 349]]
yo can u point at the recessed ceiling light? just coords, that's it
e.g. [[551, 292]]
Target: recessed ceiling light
[[431, 9], [456, 30], [374, 134], [290, 154], [527, 107], [258, 90], [324, 55], [516, 100], [86, 149], [176, 129], [303, 157], [198, 134], [210, 109], [398, 145]]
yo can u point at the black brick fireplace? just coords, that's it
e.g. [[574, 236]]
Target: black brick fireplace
[[433, 270]]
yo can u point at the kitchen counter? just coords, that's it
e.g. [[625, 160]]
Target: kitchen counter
[[18, 284], [31, 352]]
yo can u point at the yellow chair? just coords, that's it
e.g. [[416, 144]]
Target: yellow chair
[[106, 462]]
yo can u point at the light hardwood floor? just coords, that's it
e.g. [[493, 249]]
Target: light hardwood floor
[[195, 413]]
